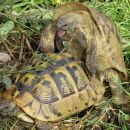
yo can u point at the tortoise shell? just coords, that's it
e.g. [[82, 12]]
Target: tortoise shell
[[103, 45], [55, 91]]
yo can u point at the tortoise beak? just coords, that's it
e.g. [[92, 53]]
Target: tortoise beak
[[61, 33]]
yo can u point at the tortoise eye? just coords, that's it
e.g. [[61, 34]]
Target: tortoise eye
[[64, 26]]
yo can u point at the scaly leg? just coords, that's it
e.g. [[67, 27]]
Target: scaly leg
[[113, 78]]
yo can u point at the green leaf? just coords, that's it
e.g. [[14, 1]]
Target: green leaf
[[6, 28], [38, 27], [7, 81], [38, 2], [39, 68], [26, 68], [47, 15], [51, 61]]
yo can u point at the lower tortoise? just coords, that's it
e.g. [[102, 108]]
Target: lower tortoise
[[53, 92]]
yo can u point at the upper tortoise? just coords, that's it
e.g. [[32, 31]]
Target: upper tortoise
[[51, 93], [89, 36]]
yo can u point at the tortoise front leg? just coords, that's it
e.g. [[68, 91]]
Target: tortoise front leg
[[47, 38]]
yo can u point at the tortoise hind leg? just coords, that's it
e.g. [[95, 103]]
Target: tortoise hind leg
[[116, 87]]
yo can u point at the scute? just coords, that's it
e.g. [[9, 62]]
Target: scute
[[57, 94]]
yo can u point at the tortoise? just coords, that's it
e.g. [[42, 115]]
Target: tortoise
[[91, 37], [54, 92]]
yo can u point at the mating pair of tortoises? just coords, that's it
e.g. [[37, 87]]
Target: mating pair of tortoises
[[71, 84]]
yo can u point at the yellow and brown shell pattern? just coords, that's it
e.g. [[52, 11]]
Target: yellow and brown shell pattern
[[57, 91]]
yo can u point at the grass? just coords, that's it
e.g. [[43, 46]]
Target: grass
[[21, 22]]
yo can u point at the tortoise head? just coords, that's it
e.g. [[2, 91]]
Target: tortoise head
[[8, 108], [70, 27]]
